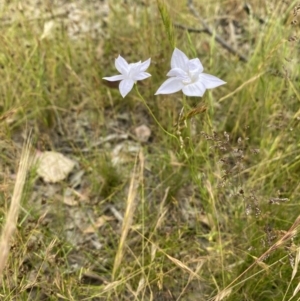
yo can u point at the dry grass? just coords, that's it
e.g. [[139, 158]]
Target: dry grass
[[128, 217], [11, 220]]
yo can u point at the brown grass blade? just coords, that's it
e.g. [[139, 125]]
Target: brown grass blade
[[128, 217], [12, 215]]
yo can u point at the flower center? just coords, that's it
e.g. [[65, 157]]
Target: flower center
[[187, 80], [191, 77]]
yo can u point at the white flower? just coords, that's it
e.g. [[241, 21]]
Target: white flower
[[186, 75], [130, 73]]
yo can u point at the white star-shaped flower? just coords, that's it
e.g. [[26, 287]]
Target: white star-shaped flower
[[130, 73], [187, 75]]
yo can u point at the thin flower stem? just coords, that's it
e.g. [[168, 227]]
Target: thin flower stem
[[153, 116], [208, 113], [187, 122], [184, 101]]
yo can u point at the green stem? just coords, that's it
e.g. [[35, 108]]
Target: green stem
[[153, 116], [184, 101], [186, 108]]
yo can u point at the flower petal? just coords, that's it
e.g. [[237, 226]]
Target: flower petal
[[141, 76], [135, 66], [126, 86], [177, 72], [210, 81], [171, 85], [195, 65], [179, 60], [145, 65], [134, 69], [195, 89], [121, 65], [114, 78]]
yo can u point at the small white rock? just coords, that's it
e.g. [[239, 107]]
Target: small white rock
[[54, 167], [142, 133]]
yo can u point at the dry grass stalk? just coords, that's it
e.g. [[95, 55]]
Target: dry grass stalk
[[290, 234], [208, 30], [297, 289], [241, 87], [12, 215], [128, 217], [296, 263]]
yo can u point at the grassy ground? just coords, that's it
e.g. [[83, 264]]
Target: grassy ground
[[213, 217]]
